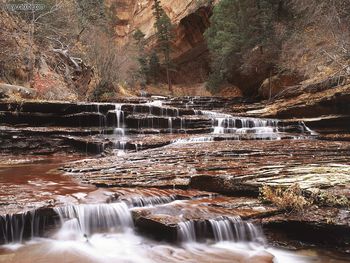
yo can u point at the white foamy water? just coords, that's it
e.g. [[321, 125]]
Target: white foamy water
[[92, 218], [249, 128], [102, 233], [127, 247]]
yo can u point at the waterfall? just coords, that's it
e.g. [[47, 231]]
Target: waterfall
[[235, 229], [253, 128], [120, 145], [244, 125], [142, 201], [187, 231], [14, 228], [223, 229], [102, 119], [119, 130], [170, 124], [91, 218], [182, 123]]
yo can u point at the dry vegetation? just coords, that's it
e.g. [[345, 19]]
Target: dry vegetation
[[65, 51], [68, 50], [318, 42], [289, 199]]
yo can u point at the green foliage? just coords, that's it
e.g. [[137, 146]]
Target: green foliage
[[142, 57], [139, 36], [236, 27], [154, 67], [164, 30]]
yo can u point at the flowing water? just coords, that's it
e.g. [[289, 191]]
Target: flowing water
[[105, 233], [79, 229]]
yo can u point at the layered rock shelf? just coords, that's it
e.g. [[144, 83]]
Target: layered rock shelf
[[174, 169]]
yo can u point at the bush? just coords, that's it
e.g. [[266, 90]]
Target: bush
[[330, 200], [103, 92], [289, 199]]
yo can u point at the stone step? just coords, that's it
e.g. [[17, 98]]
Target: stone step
[[156, 110], [149, 121]]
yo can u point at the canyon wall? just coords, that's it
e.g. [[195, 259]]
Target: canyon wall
[[190, 19]]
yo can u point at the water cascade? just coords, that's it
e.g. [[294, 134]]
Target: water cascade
[[143, 201], [170, 124], [223, 229], [102, 119], [235, 229], [119, 130], [187, 231], [251, 128], [15, 228], [91, 218]]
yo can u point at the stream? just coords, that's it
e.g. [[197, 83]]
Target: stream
[[144, 196]]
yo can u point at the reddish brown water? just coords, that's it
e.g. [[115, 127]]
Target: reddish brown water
[[30, 183]]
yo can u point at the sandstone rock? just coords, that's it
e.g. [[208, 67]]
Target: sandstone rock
[[276, 84], [311, 227], [326, 110], [190, 19]]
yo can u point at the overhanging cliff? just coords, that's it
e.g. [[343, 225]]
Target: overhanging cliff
[[190, 19]]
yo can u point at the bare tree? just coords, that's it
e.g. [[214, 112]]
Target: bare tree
[[112, 63]]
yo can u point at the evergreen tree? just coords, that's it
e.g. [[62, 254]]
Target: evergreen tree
[[164, 30], [142, 57], [237, 26], [154, 67]]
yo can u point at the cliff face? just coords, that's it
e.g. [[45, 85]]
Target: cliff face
[[190, 19]]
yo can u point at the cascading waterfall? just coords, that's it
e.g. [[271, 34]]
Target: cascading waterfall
[[224, 229], [15, 228], [252, 127], [102, 119], [244, 126], [235, 229], [119, 130], [91, 218], [142, 201], [187, 231], [12, 228], [170, 124], [120, 145], [182, 123]]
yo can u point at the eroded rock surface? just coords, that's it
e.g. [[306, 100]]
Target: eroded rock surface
[[178, 166]]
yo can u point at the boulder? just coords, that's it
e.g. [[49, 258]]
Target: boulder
[[276, 84]]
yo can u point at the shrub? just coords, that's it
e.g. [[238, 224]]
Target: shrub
[[289, 199]]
